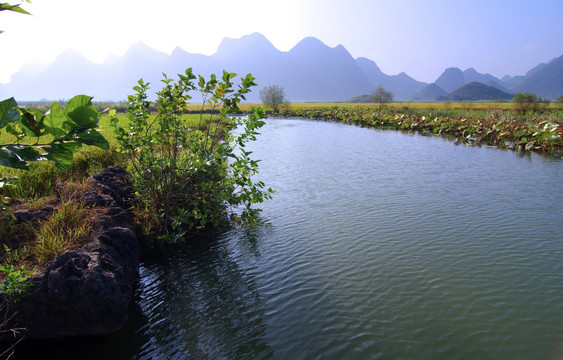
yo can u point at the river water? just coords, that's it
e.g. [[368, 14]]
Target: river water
[[376, 245]]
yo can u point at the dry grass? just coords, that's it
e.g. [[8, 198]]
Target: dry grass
[[70, 226]]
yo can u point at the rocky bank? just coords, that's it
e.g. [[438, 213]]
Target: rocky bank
[[86, 291]]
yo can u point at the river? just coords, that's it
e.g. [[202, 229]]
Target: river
[[376, 245]]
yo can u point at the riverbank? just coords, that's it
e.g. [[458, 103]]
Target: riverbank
[[532, 132]]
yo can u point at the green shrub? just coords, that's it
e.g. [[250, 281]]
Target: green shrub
[[524, 102], [186, 176]]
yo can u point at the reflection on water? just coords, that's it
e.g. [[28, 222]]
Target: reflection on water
[[376, 245], [200, 304]]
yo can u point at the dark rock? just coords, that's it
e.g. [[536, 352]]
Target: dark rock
[[83, 292], [87, 291], [92, 198], [116, 216], [113, 181], [30, 215]]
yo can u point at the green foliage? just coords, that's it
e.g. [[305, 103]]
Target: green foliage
[[54, 136], [274, 97], [524, 102], [560, 99], [15, 282], [185, 176]]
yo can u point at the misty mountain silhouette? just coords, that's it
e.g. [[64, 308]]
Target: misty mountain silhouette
[[310, 71]]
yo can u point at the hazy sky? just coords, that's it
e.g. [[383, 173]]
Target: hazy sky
[[419, 37]]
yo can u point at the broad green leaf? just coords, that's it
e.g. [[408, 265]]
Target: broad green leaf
[[13, 130], [61, 154], [31, 122], [92, 137], [10, 159], [25, 152], [82, 112], [57, 123], [8, 112]]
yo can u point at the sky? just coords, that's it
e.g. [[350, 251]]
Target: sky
[[419, 37]]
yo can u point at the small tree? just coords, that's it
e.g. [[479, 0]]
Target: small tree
[[180, 175], [526, 101], [381, 97], [273, 96]]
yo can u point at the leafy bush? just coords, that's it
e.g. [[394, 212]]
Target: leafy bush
[[524, 102], [185, 177]]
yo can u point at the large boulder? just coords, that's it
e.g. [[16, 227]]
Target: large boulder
[[86, 291]]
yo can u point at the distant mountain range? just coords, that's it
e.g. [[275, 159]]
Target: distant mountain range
[[310, 71]]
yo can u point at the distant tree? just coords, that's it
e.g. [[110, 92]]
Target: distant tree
[[381, 97], [273, 96], [560, 99], [524, 102]]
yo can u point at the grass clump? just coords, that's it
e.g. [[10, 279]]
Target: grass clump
[[69, 226]]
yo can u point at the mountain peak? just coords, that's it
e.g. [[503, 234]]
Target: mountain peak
[[309, 43], [451, 79], [310, 71], [178, 51], [140, 46], [141, 50], [429, 92], [254, 43], [70, 55], [545, 80]]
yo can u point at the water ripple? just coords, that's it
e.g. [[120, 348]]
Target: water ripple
[[379, 245]]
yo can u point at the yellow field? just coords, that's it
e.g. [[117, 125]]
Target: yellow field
[[402, 105]]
